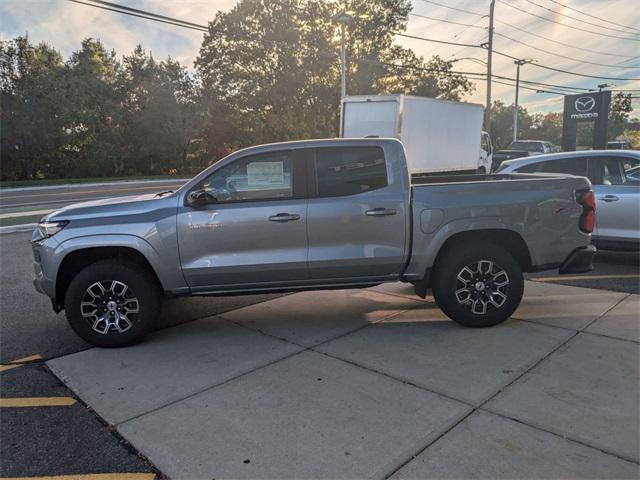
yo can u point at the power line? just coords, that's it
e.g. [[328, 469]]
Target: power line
[[416, 37], [539, 65], [564, 24], [529, 32], [537, 90], [593, 16], [474, 25], [180, 23], [455, 8], [559, 55], [468, 25], [143, 12], [573, 18], [150, 16]]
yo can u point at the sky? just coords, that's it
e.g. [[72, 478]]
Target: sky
[[64, 24]]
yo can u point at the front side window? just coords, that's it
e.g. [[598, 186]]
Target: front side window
[[257, 177], [350, 170], [570, 166]]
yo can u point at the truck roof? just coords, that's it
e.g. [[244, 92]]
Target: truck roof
[[397, 96], [319, 142]]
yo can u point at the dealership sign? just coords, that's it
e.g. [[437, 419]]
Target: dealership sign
[[586, 107]]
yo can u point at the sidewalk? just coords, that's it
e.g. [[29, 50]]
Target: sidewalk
[[378, 383]]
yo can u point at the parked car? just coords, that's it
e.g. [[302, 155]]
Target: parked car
[[522, 148], [618, 145], [533, 147], [306, 215], [614, 175]]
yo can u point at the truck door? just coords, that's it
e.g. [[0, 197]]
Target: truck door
[[252, 227], [356, 214]]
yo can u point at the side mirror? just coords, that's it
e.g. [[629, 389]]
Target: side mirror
[[198, 198]]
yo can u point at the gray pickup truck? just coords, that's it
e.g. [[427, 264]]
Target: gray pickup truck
[[311, 215]]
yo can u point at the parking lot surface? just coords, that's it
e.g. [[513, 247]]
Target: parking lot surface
[[376, 383]]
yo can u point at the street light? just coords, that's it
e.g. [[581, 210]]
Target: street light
[[602, 86], [344, 19], [477, 60], [518, 64]]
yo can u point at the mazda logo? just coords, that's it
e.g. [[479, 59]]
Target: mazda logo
[[585, 104]]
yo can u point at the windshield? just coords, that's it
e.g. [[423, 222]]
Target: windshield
[[527, 146]]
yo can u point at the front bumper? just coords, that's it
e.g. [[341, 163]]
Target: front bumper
[[579, 261]]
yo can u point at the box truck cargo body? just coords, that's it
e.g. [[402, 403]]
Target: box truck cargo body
[[438, 135]]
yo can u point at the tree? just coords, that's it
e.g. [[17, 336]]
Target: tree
[[620, 109], [161, 113], [32, 98], [547, 127], [275, 65], [502, 124]]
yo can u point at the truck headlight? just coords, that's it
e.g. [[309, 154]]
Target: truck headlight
[[49, 229]]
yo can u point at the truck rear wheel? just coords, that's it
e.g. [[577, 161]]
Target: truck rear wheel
[[112, 304], [479, 285]]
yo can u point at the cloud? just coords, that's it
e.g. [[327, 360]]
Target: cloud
[[63, 25]]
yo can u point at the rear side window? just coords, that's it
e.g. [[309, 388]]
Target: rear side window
[[570, 166], [350, 170], [611, 170]]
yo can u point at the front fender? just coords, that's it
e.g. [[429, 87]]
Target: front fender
[[169, 273]]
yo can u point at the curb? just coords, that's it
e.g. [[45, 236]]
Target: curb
[[90, 184], [18, 228]]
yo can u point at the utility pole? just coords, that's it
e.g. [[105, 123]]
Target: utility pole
[[343, 18], [343, 63], [518, 64], [487, 110]]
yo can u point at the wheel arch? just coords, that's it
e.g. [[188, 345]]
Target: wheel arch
[[77, 259], [510, 240]]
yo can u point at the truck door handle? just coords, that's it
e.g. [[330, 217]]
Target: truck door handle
[[284, 217], [609, 198], [380, 212]]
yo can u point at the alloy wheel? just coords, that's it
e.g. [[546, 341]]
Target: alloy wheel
[[109, 306], [481, 286]]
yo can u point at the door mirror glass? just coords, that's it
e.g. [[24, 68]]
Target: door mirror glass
[[199, 198]]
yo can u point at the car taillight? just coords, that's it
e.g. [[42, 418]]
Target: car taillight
[[587, 199]]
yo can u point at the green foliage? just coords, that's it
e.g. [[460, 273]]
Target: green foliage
[[274, 65], [619, 112], [502, 124]]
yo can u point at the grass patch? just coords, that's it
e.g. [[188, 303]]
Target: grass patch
[[69, 181]]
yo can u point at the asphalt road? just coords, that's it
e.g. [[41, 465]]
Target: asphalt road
[[617, 271], [27, 206]]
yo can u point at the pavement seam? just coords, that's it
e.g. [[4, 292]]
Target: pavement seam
[[286, 357], [503, 388], [557, 434]]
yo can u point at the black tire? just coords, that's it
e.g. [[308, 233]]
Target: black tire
[[450, 291], [142, 290], [481, 171]]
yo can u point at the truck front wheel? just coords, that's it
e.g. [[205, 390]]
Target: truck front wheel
[[112, 304], [479, 285]]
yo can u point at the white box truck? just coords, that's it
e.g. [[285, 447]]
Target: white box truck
[[439, 136]]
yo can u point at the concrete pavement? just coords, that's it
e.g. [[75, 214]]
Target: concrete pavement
[[376, 383]]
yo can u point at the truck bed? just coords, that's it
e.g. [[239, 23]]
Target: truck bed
[[426, 179]]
